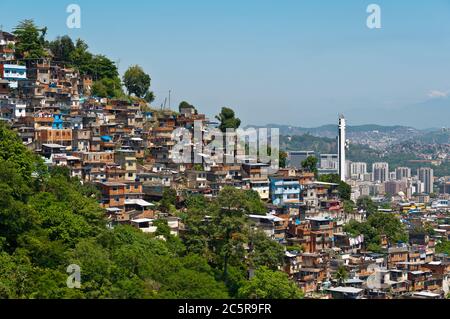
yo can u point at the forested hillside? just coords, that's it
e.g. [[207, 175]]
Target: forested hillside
[[49, 221]]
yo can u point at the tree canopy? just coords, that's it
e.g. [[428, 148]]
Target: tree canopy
[[310, 164], [366, 204], [62, 48], [30, 40], [49, 220], [378, 224], [186, 105], [344, 190], [227, 119], [268, 284], [137, 81]]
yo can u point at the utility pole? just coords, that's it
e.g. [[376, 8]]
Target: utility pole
[[117, 65], [170, 91]]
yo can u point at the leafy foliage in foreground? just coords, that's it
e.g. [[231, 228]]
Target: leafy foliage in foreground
[[49, 221]]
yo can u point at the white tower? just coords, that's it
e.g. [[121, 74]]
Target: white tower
[[342, 146]]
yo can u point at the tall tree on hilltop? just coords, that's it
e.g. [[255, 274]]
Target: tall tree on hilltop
[[30, 40], [228, 119], [102, 68], [62, 48], [81, 58], [137, 81], [186, 105]]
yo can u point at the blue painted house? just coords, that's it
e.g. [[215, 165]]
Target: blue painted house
[[284, 190], [57, 122]]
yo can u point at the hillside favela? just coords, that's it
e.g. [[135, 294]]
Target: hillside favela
[[112, 190]]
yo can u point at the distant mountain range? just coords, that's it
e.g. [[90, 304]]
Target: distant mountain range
[[330, 130], [433, 112], [427, 116], [377, 137]]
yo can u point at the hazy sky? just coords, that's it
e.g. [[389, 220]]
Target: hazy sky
[[287, 62]]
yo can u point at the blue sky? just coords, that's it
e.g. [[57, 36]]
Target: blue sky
[[286, 61]]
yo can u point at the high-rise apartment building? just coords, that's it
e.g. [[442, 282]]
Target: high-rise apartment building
[[342, 144], [358, 168], [402, 173], [380, 172], [426, 176]]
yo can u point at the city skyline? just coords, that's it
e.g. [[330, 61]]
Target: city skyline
[[302, 55]]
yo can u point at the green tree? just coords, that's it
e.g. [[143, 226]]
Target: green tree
[[252, 203], [16, 154], [269, 284], [103, 68], [169, 199], [283, 159], [228, 119], [81, 58], [48, 222], [443, 247], [108, 87], [264, 251], [341, 275], [191, 278], [379, 224], [198, 168], [186, 105], [310, 164], [62, 48], [349, 206], [197, 233], [30, 40], [344, 190], [366, 204], [136, 81], [149, 97], [228, 227]]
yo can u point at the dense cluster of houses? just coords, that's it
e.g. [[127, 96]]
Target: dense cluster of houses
[[126, 149]]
